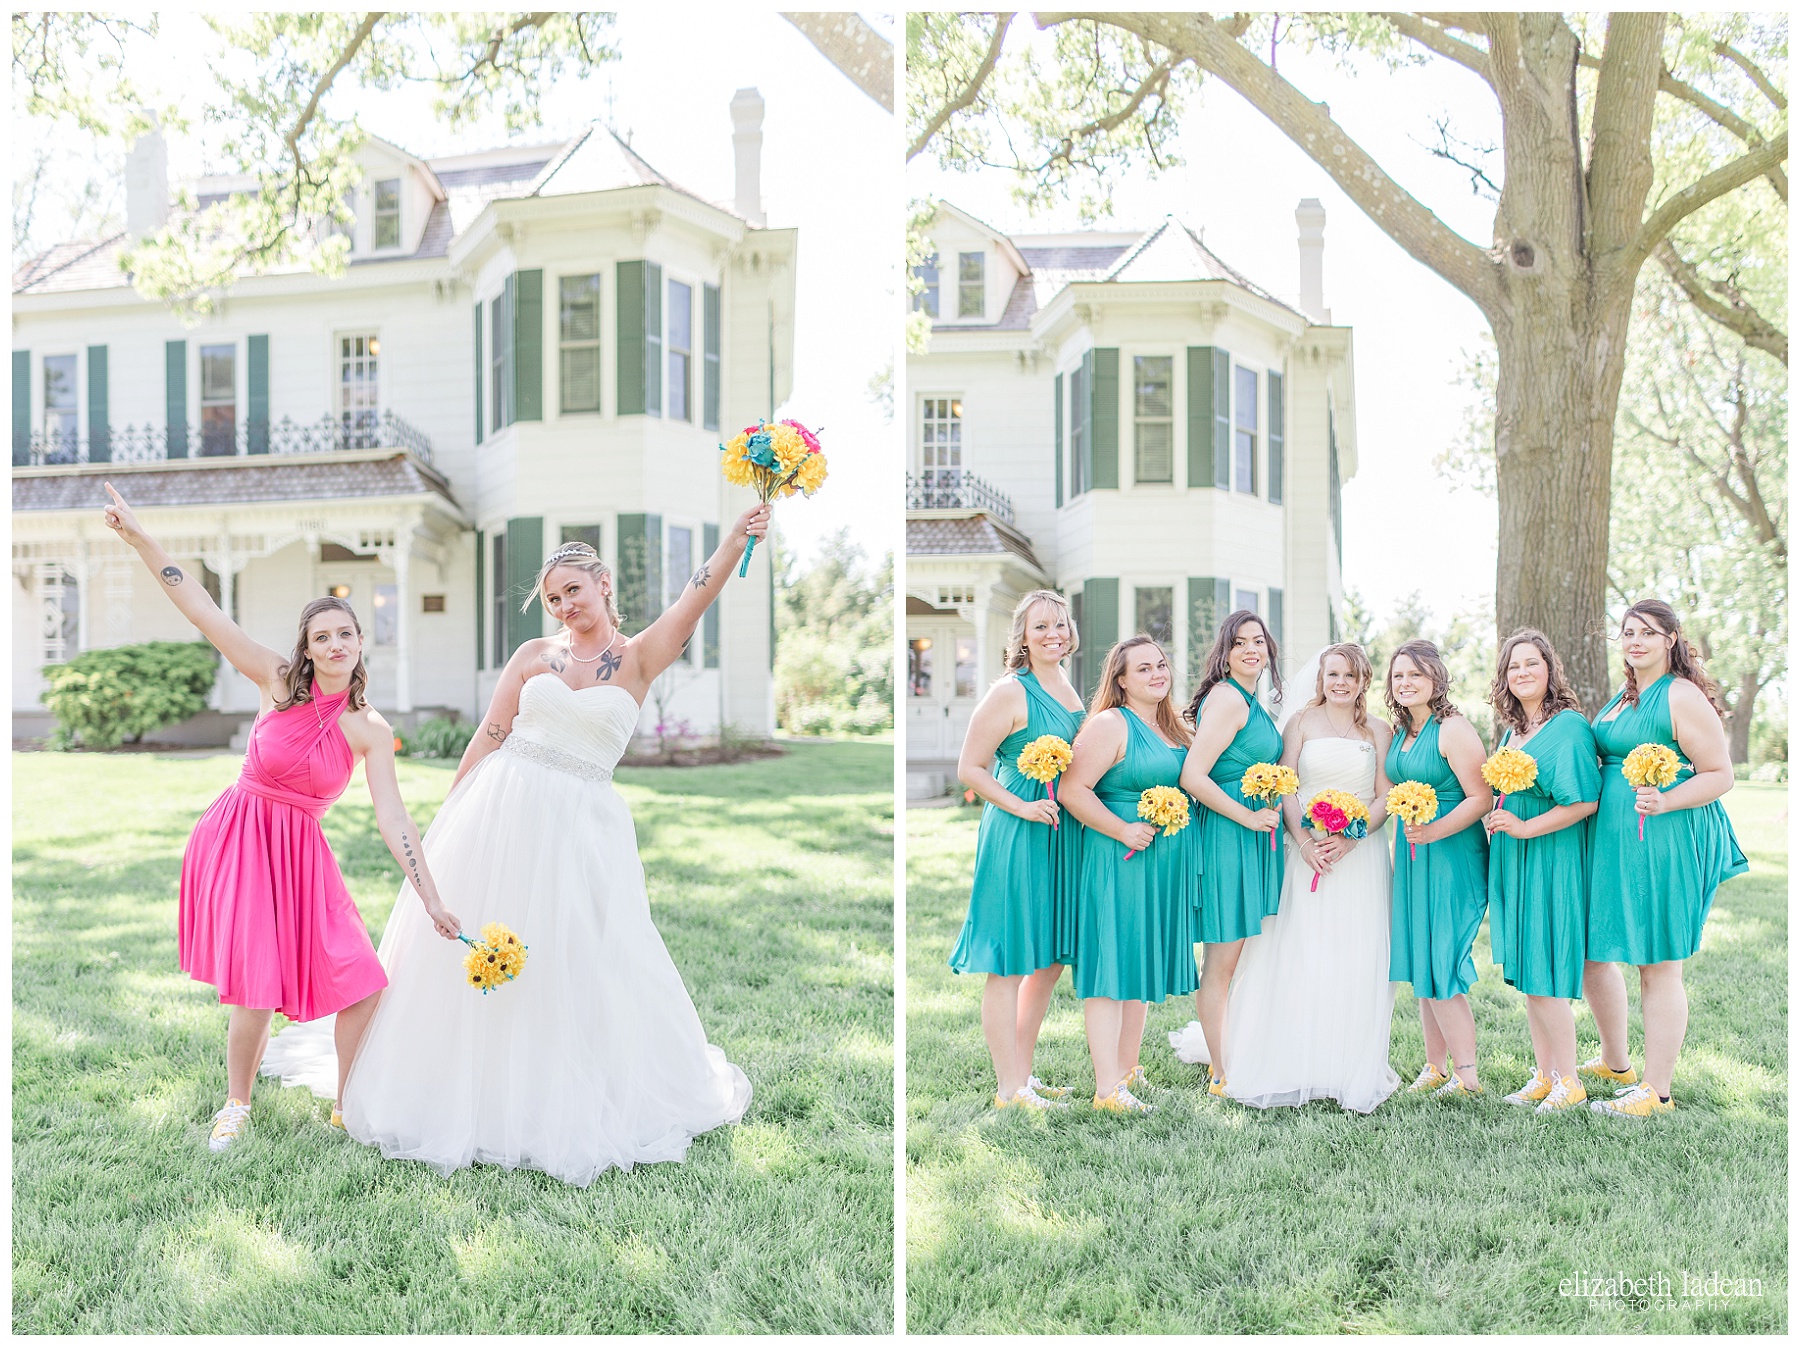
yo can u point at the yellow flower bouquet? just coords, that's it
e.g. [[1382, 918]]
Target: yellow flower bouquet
[[1414, 802], [498, 957], [1044, 759], [1268, 782], [1336, 811], [1651, 764], [1509, 769], [1165, 807], [778, 459]]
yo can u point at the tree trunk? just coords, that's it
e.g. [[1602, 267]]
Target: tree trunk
[[1743, 713]]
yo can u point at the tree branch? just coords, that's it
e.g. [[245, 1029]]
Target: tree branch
[[969, 91], [1707, 189], [292, 138], [1732, 311], [849, 43], [1750, 68], [1620, 170], [1429, 35]]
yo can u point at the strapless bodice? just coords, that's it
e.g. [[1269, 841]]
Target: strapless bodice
[[1337, 764], [584, 732]]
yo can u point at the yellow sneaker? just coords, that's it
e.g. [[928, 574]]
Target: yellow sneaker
[[1639, 1102], [1121, 1100], [1596, 1066], [229, 1123], [1566, 1093], [1049, 1091], [1215, 1084], [1026, 1098], [1454, 1088], [1532, 1091], [1135, 1079], [1428, 1079]]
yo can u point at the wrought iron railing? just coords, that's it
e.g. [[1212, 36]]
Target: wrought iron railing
[[153, 444], [953, 489]]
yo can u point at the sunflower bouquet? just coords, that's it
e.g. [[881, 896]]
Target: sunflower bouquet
[[1336, 811], [498, 957], [1651, 764], [1414, 802], [1268, 782], [1508, 770], [1165, 807], [1044, 759], [778, 459]]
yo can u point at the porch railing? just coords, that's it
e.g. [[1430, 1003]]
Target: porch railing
[[953, 489], [152, 444]]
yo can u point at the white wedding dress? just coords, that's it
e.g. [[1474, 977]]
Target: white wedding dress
[[1311, 1008], [594, 1056]]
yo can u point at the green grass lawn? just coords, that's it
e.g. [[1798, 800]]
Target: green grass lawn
[[772, 885], [1428, 1216]]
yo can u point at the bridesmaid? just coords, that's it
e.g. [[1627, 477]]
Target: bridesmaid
[[1134, 931], [265, 916], [1538, 860], [1240, 873], [1648, 899], [1021, 924], [1440, 896]]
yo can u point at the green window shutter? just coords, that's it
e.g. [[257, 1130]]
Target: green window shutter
[[1078, 665], [1276, 616], [528, 346], [480, 372], [709, 394], [1106, 416], [99, 423], [175, 389], [1199, 416], [1100, 625], [709, 627], [1221, 418], [1277, 429], [630, 344], [1209, 600], [257, 385], [524, 554], [653, 340], [480, 585], [21, 403], [1059, 451], [640, 571]]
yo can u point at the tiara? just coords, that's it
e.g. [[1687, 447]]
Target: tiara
[[573, 550]]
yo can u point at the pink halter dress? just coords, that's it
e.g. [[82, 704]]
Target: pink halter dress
[[265, 916]]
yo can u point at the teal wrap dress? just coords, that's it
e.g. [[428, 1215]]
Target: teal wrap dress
[[1135, 937], [1022, 902], [1240, 873], [1439, 898], [1537, 886], [1648, 900]]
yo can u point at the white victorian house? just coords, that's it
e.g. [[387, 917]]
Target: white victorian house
[[529, 345], [1125, 418]]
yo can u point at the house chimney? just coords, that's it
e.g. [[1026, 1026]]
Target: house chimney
[[746, 140], [147, 185], [1310, 216]]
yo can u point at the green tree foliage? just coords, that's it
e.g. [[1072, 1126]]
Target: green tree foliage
[[834, 653], [103, 698]]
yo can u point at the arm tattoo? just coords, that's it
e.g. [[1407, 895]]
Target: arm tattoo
[[554, 658], [702, 577], [411, 860], [171, 576], [609, 665], [495, 733]]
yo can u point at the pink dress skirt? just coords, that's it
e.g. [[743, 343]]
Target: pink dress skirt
[[265, 916]]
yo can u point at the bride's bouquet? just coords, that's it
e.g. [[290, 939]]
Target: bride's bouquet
[[498, 957], [1165, 807], [1268, 782], [1336, 811], [1044, 759], [1651, 764], [777, 458], [1413, 802], [1508, 770]]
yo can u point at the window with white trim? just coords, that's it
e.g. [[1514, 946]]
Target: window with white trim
[[218, 400], [61, 421], [387, 213], [359, 390], [971, 285], [940, 449], [680, 349], [579, 307], [1154, 430]]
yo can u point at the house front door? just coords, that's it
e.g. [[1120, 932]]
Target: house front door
[[941, 688]]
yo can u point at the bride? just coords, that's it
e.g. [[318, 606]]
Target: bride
[[1311, 1007], [594, 1056]]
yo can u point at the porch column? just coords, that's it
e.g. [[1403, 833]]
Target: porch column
[[83, 632], [222, 563], [403, 697]]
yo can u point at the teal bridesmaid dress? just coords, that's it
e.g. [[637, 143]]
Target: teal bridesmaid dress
[[1136, 917], [1648, 900], [1240, 873], [1022, 903], [1439, 898], [1537, 886]]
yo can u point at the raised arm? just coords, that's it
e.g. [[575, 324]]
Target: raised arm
[[253, 659], [999, 713], [661, 643], [402, 835]]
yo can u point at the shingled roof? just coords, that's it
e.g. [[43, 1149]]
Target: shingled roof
[[978, 535], [313, 477]]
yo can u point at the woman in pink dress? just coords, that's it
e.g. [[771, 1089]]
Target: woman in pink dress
[[265, 916]]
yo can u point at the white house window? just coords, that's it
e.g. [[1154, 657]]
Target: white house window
[[1246, 598], [941, 451], [582, 533], [218, 400], [1244, 430], [678, 562], [1081, 461], [60, 427], [1156, 612], [387, 614], [681, 348], [918, 667], [965, 666], [387, 213], [359, 390], [580, 307], [1155, 431], [926, 301], [971, 285]]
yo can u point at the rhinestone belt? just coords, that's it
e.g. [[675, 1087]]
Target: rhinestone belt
[[558, 760]]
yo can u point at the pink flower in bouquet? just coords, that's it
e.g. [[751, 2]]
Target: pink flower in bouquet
[[1330, 817]]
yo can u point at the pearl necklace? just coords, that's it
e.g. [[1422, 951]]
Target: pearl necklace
[[589, 659]]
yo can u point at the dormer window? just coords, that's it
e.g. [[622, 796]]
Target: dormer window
[[387, 213], [971, 285], [926, 301]]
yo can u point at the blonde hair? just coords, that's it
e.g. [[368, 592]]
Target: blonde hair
[[1017, 656], [1358, 660], [1109, 694], [583, 558]]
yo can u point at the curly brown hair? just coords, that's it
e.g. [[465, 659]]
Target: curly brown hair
[[1684, 659], [1558, 695], [1218, 661], [297, 674], [1425, 655], [1108, 693]]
